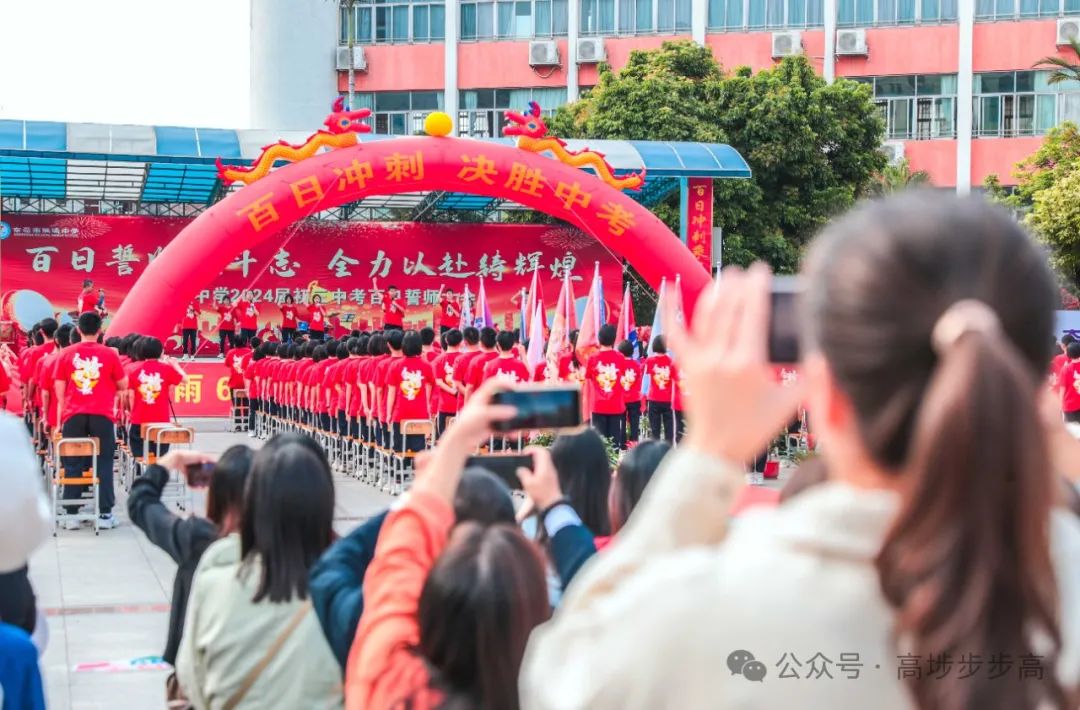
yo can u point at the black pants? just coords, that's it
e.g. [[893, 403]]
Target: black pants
[[610, 426], [190, 342], [225, 340], [315, 334], [413, 442], [288, 335], [254, 405], [660, 415], [91, 425], [633, 421], [343, 428], [135, 441], [440, 423], [248, 333], [388, 326], [680, 425], [1072, 417]]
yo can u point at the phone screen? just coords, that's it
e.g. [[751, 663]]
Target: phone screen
[[198, 474], [541, 408], [784, 320], [504, 466]]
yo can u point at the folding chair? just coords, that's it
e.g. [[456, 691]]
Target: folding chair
[[399, 457], [176, 489], [240, 409], [75, 447]]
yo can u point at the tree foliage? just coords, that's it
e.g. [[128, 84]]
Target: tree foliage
[[898, 177], [814, 148], [1048, 194]]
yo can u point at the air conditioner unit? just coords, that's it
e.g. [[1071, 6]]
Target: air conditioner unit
[[893, 150], [786, 44], [359, 60], [1068, 28], [590, 50], [851, 43], [543, 54]]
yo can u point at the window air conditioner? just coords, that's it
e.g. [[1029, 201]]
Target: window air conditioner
[[1068, 28], [786, 44], [590, 50], [543, 54], [851, 43], [359, 61]]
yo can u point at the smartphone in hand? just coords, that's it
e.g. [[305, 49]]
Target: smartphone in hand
[[198, 474], [504, 466], [540, 407], [784, 320]]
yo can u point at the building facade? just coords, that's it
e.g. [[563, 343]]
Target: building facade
[[954, 79]]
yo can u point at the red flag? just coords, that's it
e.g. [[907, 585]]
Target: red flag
[[536, 294], [559, 338], [587, 340]]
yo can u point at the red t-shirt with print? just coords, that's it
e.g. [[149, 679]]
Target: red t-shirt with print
[[234, 363], [509, 368], [443, 369], [227, 318], [87, 301], [661, 372], [349, 378], [1069, 378], [288, 315], [317, 320], [630, 379], [150, 381], [475, 376], [248, 315], [602, 373], [91, 373], [381, 373], [393, 312], [568, 371], [410, 376], [191, 317]]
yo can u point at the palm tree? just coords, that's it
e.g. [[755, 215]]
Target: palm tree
[[897, 177], [1062, 69]]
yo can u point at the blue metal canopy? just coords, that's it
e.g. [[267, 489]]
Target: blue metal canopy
[[41, 159]]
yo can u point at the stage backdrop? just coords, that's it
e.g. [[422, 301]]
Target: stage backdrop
[[44, 260]]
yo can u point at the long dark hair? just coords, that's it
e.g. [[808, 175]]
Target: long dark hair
[[227, 483], [483, 597], [634, 472], [288, 515], [585, 477], [966, 563]]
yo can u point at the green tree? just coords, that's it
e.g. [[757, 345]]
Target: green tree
[[1061, 69], [898, 177], [813, 147], [1055, 216]]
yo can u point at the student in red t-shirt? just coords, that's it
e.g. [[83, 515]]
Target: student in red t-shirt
[[446, 393], [189, 330], [1069, 378], [45, 378], [316, 319], [408, 391], [288, 319], [226, 324], [88, 378], [449, 311], [248, 316], [235, 362], [350, 389], [506, 365], [1060, 360], [475, 376], [469, 352], [393, 310], [602, 374], [394, 340], [630, 379], [151, 379], [87, 300], [660, 370]]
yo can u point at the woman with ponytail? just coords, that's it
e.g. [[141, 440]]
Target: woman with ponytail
[[932, 568]]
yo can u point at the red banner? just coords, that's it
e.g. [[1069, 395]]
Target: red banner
[[45, 259], [700, 214]]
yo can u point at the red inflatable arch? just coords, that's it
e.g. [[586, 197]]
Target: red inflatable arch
[[259, 212]]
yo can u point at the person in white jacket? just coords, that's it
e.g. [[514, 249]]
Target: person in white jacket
[[932, 569]]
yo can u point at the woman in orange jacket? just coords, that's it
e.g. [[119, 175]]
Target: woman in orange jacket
[[447, 613]]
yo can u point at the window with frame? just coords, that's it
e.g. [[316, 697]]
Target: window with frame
[[393, 21], [634, 17], [482, 112], [1021, 103], [916, 106], [1024, 9], [871, 13], [737, 15], [398, 113]]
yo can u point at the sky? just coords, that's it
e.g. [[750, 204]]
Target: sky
[[179, 63]]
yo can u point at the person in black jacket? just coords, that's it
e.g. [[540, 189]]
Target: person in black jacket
[[336, 581], [185, 539]]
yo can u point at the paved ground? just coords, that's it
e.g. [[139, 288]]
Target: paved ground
[[107, 598]]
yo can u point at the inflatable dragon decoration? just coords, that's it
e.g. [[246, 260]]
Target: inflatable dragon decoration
[[532, 136], [341, 129]]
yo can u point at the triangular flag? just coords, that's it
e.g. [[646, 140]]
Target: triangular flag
[[466, 310], [571, 306], [559, 338], [658, 319], [482, 317], [535, 294], [535, 354], [591, 318], [626, 318]]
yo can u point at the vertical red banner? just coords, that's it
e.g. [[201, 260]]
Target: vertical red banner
[[700, 214]]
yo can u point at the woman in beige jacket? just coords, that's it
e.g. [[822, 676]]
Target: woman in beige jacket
[[251, 638], [932, 569]]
